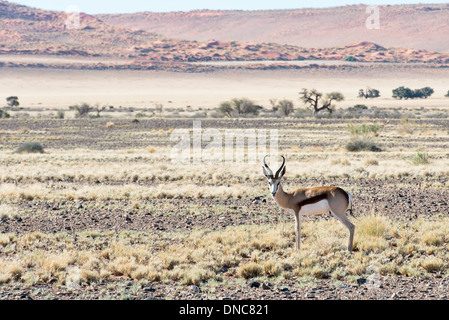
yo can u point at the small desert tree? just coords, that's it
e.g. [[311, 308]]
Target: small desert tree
[[82, 110], [318, 102], [245, 106], [447, 95], [369, 93], [402, 93], [99, 109], [425, 92], [285, 107], [226, 109], [407, 93], [13, 101], [239, 106]]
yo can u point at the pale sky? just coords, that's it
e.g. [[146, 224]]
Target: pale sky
[[129, 6]]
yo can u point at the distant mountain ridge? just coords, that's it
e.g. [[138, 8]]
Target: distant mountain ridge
[[29, 31], [409, 26]]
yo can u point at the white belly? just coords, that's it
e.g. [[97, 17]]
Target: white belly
[[316, 208]]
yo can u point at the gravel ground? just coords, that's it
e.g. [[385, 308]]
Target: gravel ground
[[72, 217]]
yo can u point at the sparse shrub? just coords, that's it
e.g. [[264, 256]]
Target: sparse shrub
[[447, 94], [362, 144], [4, 115], [358, 108], [245, 106], [285, 107], [82, 110], [241, 106], [420, 158], [30, 147], [350, 58], [364, 130], [362, 137], [60, 114]]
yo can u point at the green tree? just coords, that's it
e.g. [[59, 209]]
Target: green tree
[[369, 93], [403, 93], [407, 93], [426, 92], [13, 101]]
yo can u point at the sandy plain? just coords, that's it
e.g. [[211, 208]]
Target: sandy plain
[[60, 88]]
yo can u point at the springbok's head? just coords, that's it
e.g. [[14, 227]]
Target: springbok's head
[[273, 179]]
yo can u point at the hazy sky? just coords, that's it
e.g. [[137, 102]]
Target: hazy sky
[[120, 6]]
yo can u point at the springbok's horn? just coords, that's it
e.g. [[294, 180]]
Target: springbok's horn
[[282, 166], [266, 166]]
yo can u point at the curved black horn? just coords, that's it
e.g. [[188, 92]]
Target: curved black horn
[[266, 166], [280, 168]]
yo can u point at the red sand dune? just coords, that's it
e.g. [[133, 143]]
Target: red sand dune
[[409, 26]]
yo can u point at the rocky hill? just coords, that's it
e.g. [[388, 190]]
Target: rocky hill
[[408, 26], [29, 31]]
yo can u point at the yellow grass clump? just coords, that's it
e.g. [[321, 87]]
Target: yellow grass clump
[[266, 251]]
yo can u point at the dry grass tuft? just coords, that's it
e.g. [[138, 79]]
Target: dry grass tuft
[[411, 249], [250, 270], [432, 264]]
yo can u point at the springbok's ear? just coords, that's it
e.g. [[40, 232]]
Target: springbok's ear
[[282, 172]]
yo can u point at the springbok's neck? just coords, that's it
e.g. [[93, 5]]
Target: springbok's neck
[[282, 198]]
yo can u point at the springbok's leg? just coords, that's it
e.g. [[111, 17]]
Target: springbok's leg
[[297, 229], [343, 219]]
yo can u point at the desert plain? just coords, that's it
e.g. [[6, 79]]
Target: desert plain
[[105, 212]]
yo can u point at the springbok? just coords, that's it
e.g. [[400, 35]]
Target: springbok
[[310, 201]]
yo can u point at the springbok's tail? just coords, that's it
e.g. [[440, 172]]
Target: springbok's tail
[[350, 203]]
